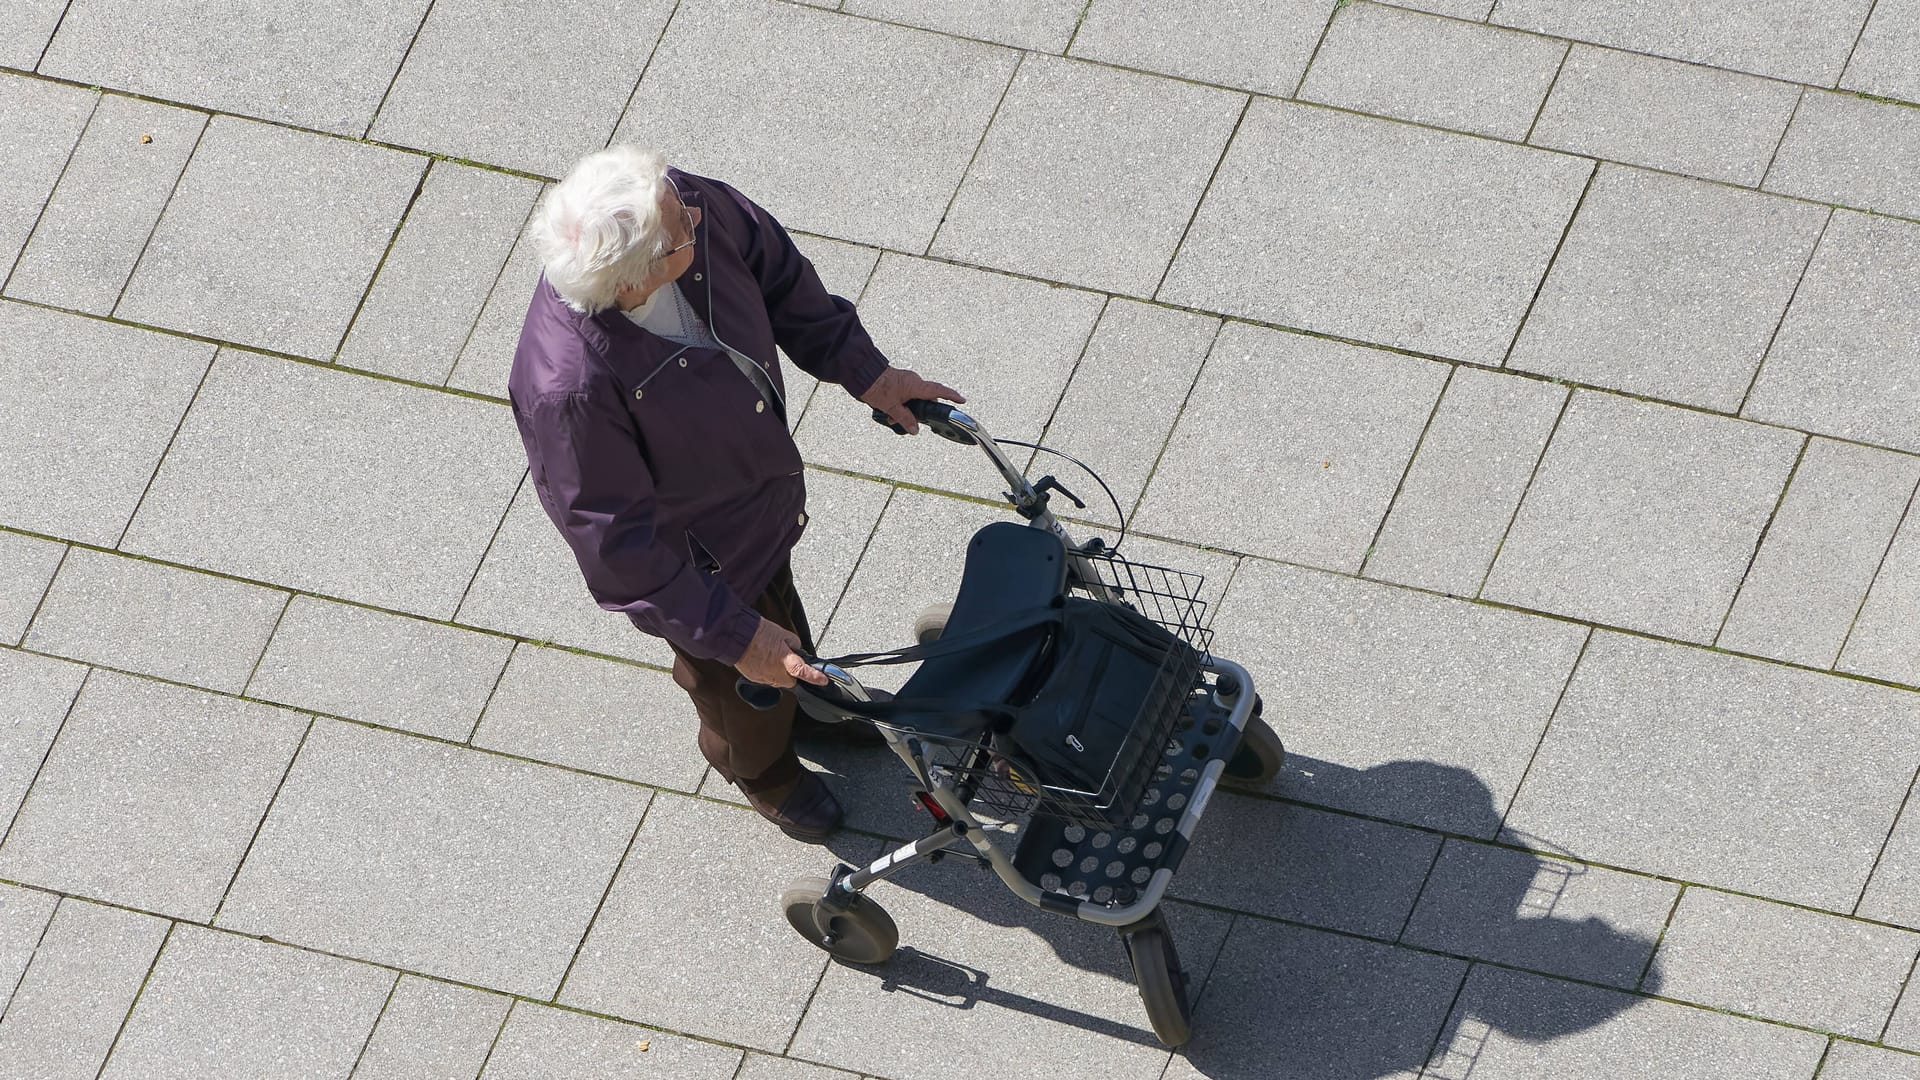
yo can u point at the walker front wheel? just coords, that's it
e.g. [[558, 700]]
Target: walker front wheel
[[931, 623], [1161, 982], [855, 930], [1258, 758]]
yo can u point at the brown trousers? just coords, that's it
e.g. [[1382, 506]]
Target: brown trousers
[[750, 749]]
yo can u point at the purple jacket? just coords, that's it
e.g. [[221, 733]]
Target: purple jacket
[[678, 488]]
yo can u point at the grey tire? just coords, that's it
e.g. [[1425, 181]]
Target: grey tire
[[860, 932]]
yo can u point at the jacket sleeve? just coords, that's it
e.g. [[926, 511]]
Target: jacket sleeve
[[821, 332], [593, 482]]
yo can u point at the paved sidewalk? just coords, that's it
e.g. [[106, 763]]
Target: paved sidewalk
[[1538, 389]]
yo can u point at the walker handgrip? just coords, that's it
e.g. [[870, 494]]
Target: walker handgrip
[[759, 695], [934, 414]]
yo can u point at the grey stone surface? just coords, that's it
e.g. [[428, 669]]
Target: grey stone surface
[[1851, 1061], [530, 585], [1670, 288], [1306, 865], [82, 982], [1121, 403], [433, 858], [1450, 74], [1882, 62], [271, 237], [106, 204], [79, 459], [1799, 40], [1022, 990], [1331, 447], [40, 690], [599, 715], [1393, 234], [1834, 368], [1475, 10], [1643, 516], [24, 914], [1106, 221], [432, 1031], [486, 358], [322, 67], [766, 1067], [440, 271], [1011, 367], [777, 99], [1846, 150], [914, 561], [842, 512], [40, 122], [529, 88], [1465, 482], [541, 1043], [1781, 963], [332, 482], [151, 795], [222, 1007], [30, 25], [1683, 118], [1041, 25], [1903, 1030], [26, 569], [1734, 773], [1261, 46], [1400, 705], [1546, 914], [1805, 588], [1291, 1004], [1510, 1025], [140, 616], [1893, 894], [653, 954], [380, 668]]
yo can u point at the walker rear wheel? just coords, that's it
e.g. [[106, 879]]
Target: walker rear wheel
[[856, 931], [1259, 757], [1161, 982], [931, 623]]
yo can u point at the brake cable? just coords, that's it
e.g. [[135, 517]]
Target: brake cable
[[1119, 514]]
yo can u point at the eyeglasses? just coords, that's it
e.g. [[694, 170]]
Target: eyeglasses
[[686, 214]]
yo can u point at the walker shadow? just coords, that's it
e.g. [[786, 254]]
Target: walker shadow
[[1283, 1000]]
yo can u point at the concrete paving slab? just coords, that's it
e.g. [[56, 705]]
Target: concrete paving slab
[[184, 626], [1903, 1030], [1465, 482], [844, 269], [1332, 447], [333, 483], [1853, 152], [1782, 963], [24, 914], [541, 1043], [40, 123], [1262, 47], [1043, 26], [1831, 370], [1668, 287], [1882, 62], [600, 715], [1682, 118], [106, 204], [1542, 913], [73, 999], [223, 1007], [380, 668], [151, 795], [1012, 367], [27, 564], [1443, 72], [1612, 531], [766, 1067], [322, 67], [1395, 234], [40, 690], [771, 97], [432, 1031], [1475, 10], [530, 89], [435, 859], [1851, 1061], [1107, 222], [1828, 538], [1305, 865], [30, 25], [264, 213], [1291, 1004], [1739, 774], [1893, 894], [1797, 40], [529, 585], [440, 271], [1509, 1024], [80, 459], [1398, 704], [486, 359], [842, 512], [691, 937]]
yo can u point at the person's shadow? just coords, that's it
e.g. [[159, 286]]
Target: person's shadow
[[1346, 977]]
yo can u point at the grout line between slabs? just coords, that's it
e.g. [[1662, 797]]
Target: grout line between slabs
[[1792, 115], [179, 178], [847, 585], [494, 538], [373, 280], [1821, 1065], [13, 992], [1545, 729], [1318, 43], [1913, 498], [1446, 1018], [260, 825], [1546, 272], [473, 327], [1857, 39], [59, 729], [612, 879], [1785, 310], [254, 671], [1085, 10], [46, 593], [367, 132], [377, 1017], [1760, 541], [160, 462], [1060, 400], [48, 47], [1905, 986], [20, 256], [1246, 106], [1892, 827], [645, 66], [499, 677], [959, 185], [1548, 96], [512, 1004], [1400, 936], [1660, 939], [146, 980], [1525, 490], [1405, 472], [1173, 429]]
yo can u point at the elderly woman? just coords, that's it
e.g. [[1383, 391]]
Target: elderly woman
[[654, 413]]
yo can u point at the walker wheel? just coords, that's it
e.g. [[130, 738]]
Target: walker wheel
[[1162, 983], [931, 623], [860, 932], [1258, 758]]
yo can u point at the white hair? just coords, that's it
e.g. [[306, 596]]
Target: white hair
[[599, 230]]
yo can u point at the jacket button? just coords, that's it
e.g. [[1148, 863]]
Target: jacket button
[[683, 361], [803, 519], [696, 277], [638, 393], [760, 406]]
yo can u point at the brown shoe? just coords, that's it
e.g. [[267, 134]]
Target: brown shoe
[[845, 733], [804, 809]]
